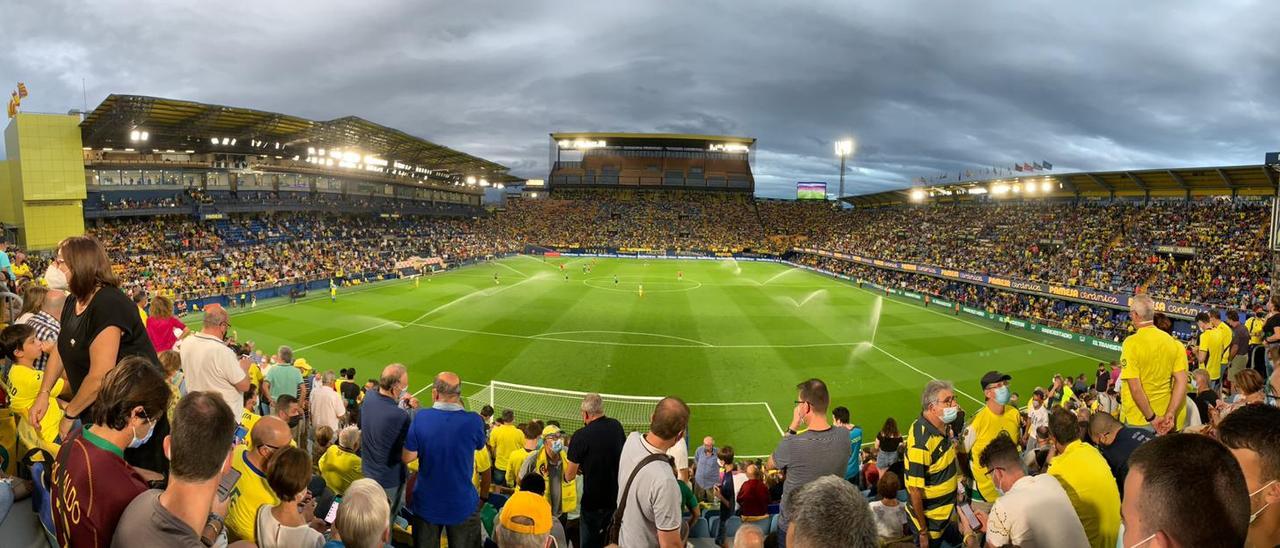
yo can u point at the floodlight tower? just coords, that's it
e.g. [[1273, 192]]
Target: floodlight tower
[[844, 148]]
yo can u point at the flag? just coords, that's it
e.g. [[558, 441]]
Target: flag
[[1037, 166], [22, 90], [1017, 167], [1048, 165], [13, 108], [967, 174], [1026, 167]]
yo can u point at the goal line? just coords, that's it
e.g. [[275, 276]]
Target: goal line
[[564, 406]]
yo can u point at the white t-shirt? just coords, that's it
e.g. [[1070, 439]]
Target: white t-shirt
[[208, 364], [1039, 417], [327, 407], [1035, 512], [889, 519], [680, 453]]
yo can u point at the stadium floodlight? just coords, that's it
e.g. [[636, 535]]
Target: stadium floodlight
[[214, 140], [844, 149], [134, 135], [999, 188], [917, 194], [1046, 186], [471, 180], [1030, 188], [233, 142], [500, 186]]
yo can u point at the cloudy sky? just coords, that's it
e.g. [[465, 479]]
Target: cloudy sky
[[925, 87]]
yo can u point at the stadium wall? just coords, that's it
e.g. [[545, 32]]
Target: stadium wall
[[46, 178]]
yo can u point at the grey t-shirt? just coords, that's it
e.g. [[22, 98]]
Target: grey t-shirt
[[146, 523], [810, 455], [654, 501]]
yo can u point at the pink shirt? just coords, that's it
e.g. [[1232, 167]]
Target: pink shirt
[[160, 331]]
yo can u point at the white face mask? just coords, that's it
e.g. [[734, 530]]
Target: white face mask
[[55, 278], [1120, 538], [1254, 516]]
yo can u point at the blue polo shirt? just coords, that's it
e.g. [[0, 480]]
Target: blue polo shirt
[[446, 438], [382, 430]]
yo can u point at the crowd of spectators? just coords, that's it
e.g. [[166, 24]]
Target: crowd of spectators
[[173, 448], [1112, 246]]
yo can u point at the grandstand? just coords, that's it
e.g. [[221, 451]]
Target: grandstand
[[651, 161], [139, 156]]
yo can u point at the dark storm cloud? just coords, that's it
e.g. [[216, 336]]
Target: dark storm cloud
[[924, 87]]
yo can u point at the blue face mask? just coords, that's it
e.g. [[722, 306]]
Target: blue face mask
[[949, 414], [136, 443], [1002, 395], [557, 446]]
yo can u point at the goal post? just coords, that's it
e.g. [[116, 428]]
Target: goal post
[[562, 406]]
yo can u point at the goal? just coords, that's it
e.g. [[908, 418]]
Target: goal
[[562, 406]]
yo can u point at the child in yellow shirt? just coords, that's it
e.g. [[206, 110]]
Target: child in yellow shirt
[[18, 343]]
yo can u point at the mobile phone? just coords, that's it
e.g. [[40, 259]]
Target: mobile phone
[[967, 511], [333, 510], [228, 483]]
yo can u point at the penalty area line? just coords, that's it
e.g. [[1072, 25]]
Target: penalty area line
[[922, 372]]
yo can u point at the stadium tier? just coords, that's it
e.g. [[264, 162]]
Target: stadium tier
[[652, 160]]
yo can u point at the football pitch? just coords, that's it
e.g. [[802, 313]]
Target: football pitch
[[732, 338]]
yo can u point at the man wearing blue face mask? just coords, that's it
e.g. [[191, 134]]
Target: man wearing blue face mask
[[445, 438], [931, 473], [995, 417], [548, 462]]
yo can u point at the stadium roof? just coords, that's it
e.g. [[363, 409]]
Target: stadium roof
[[187, 125], [1249, 180], [674, 140]]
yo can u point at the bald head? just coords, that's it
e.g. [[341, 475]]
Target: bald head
[[214, 316], [447, 387], [270, 430], [393, 377], [670, 418]]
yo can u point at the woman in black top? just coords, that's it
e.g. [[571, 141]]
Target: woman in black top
[[1271, 328], [887, 442], [100, 326]]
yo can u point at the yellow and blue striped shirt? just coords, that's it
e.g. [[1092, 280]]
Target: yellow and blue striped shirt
[[931, 466]]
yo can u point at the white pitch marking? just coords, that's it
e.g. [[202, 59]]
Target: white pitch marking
[[917, 370]]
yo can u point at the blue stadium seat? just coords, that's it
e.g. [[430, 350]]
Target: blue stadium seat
[[773, 524], [42, 501], [731, 526], [700, 529], [714, 523]]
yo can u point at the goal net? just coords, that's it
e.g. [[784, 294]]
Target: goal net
[[562, 406]]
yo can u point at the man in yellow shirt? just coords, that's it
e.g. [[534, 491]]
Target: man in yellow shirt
[[251, 490], [504, 439], [1215, 337], [340, 463], [1085, 476], [248, 417], [1153, 373], [994, 417], [1257, 348], [532, 431]]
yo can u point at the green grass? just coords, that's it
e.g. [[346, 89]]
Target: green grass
[[730, 332]]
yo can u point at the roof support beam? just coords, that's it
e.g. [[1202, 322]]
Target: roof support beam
[[1226, 179], [1182, 183], [1137, 180], [1098, 181]]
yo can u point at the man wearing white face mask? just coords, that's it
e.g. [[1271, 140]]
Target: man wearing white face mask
[[932, 476], [549, 463], [1031, 511], [989, 422], [1252, 433], [92, 484], [1184, 490]]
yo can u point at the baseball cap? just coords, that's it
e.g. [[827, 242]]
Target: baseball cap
[[993, 377], [301, 363], [527, 505], [550, 429]]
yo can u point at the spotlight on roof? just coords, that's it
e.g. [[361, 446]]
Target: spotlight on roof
[[917, 194]]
